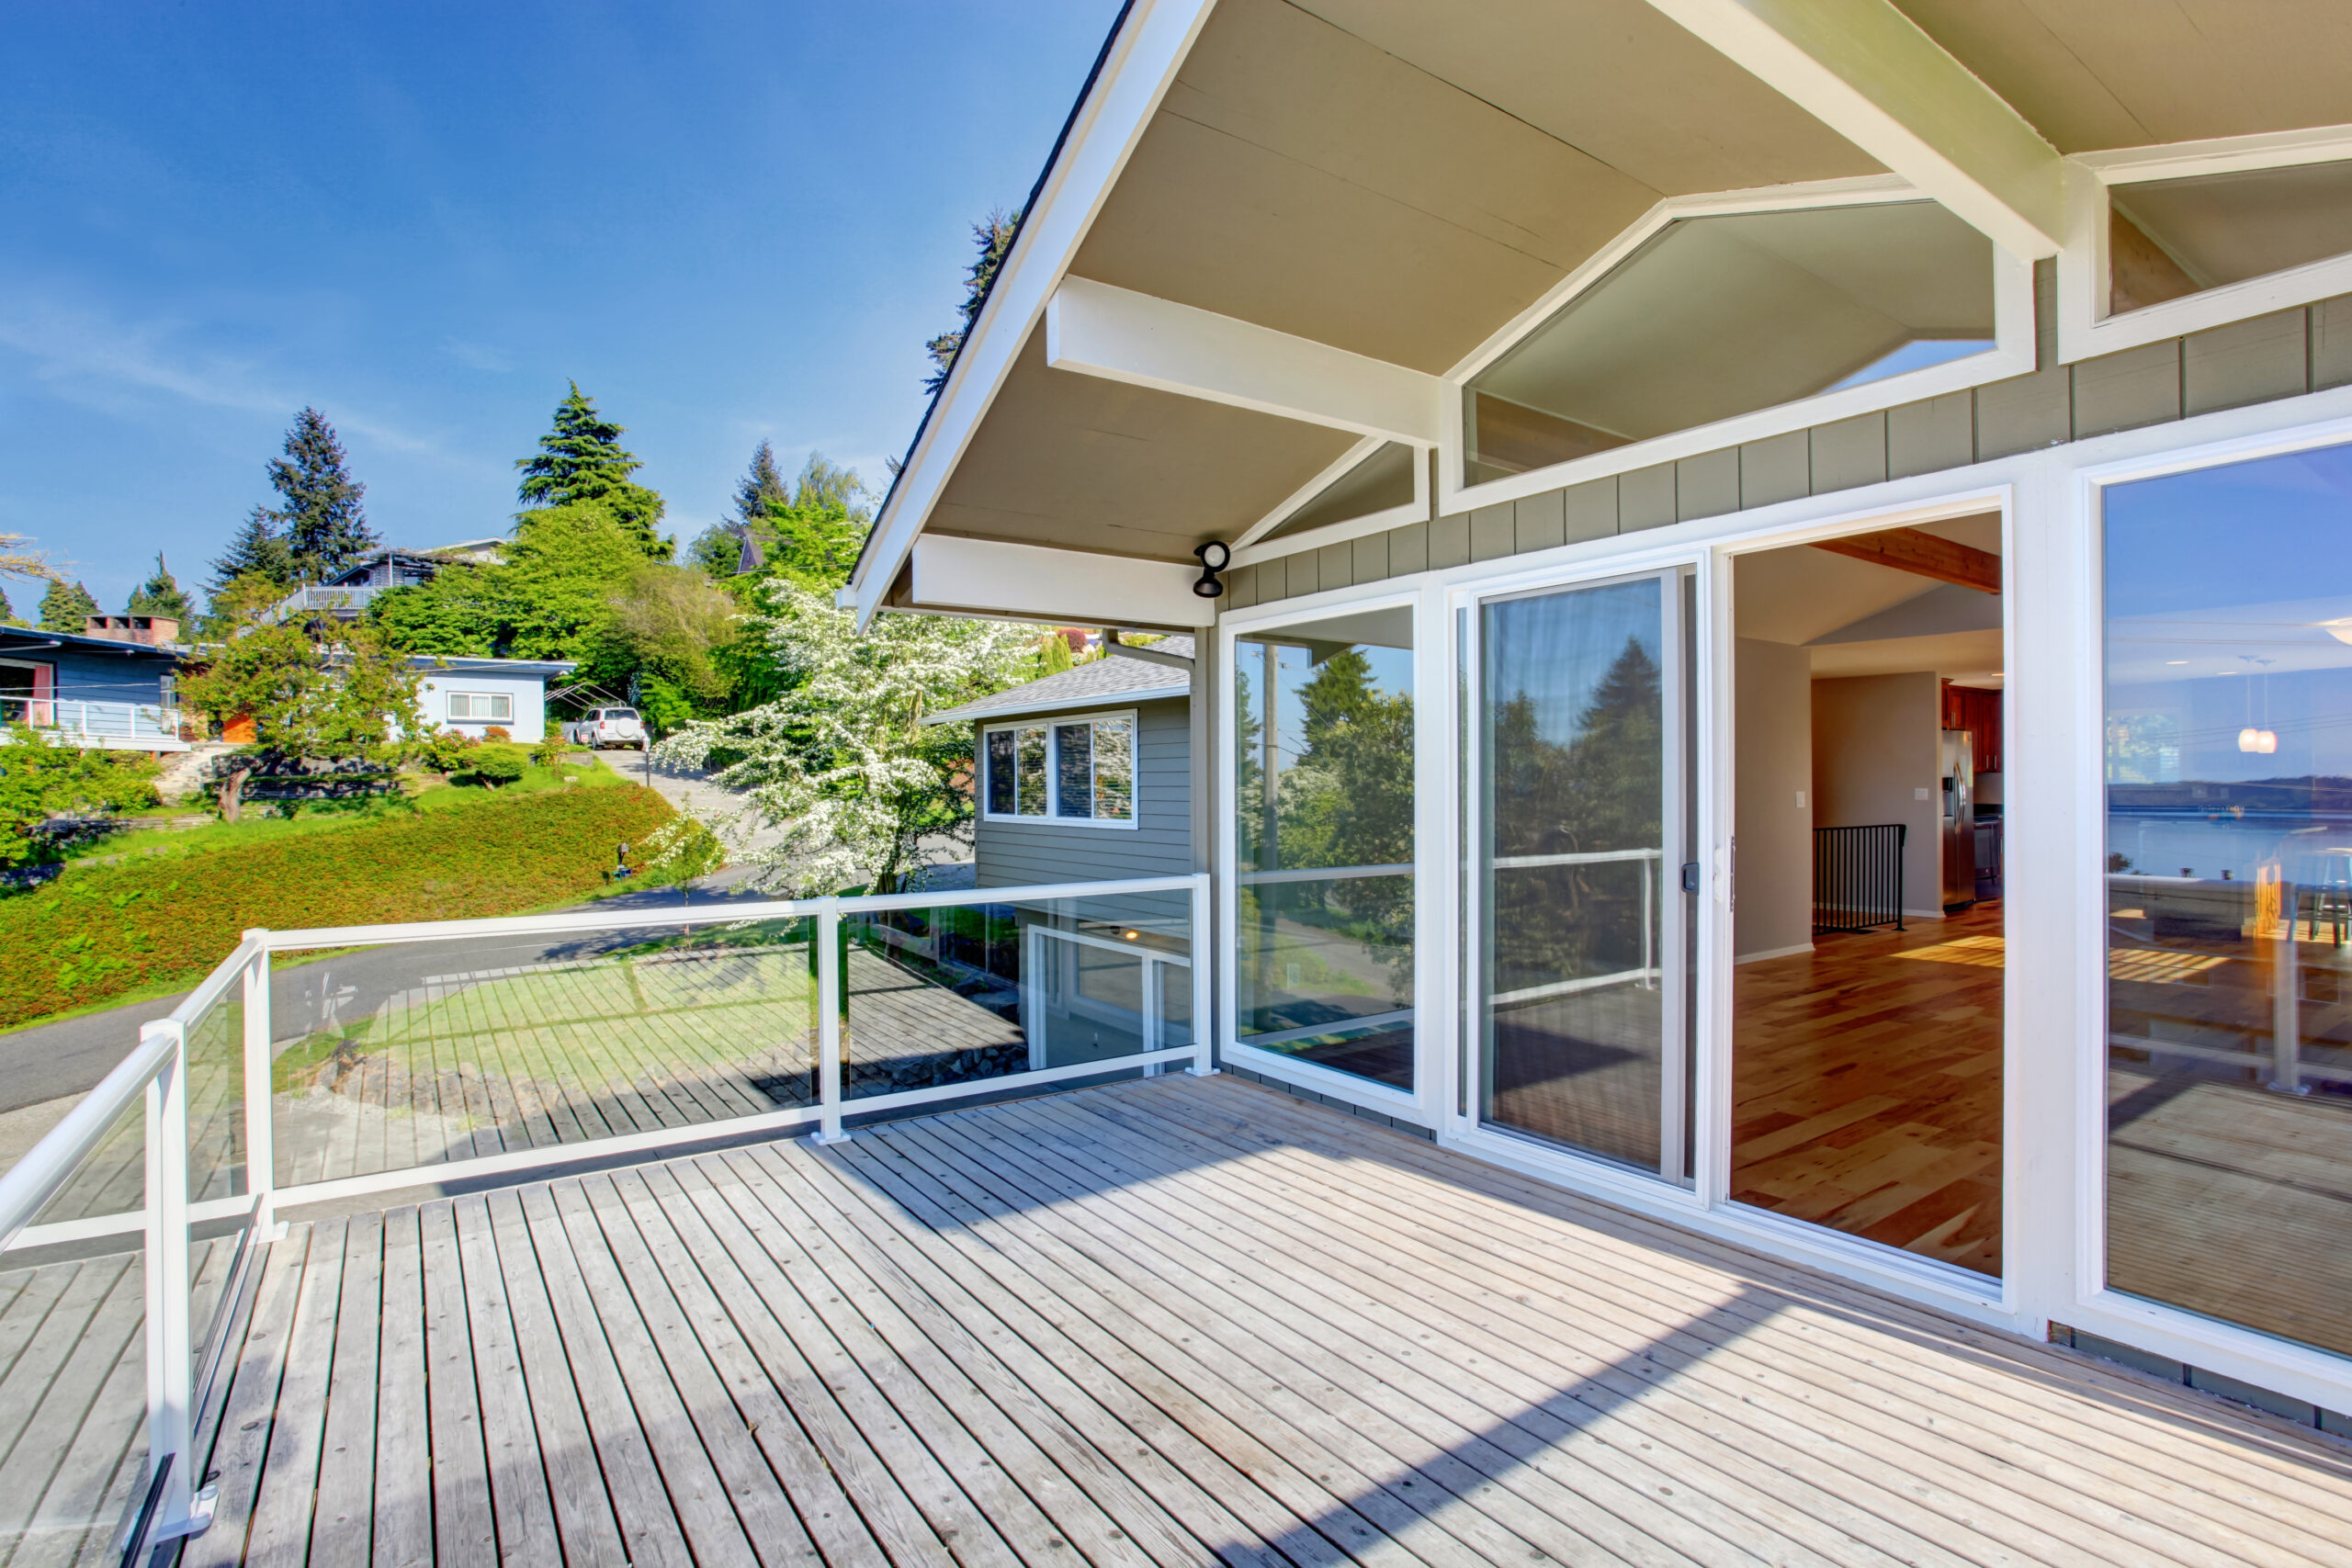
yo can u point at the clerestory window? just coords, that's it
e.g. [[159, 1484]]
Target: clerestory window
[[1719, 315]]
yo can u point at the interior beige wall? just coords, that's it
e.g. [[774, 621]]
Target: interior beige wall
[[1875, 759], [1773, 765]]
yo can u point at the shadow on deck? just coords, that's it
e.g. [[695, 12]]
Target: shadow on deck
[[1171, 1321]]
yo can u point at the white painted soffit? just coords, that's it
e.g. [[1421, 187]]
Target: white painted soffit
[[1870, 73], [1136, 69]]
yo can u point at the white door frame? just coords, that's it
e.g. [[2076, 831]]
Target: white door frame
[[2054, 1152]]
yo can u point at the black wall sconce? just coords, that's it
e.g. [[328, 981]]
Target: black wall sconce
[[1215, 558]]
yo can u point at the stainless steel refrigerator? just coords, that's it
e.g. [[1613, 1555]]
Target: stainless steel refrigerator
[[1958, 829]]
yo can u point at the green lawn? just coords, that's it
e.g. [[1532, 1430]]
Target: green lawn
[[156, 921]]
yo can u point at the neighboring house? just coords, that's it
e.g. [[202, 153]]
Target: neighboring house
[[1087, 775], [111, 686], [473, 696], [346, 595], [1640, 430]]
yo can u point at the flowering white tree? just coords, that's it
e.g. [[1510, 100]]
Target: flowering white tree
[[840, 762]]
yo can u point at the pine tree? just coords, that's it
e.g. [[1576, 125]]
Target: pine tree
[[761, 487], [258, 551], [580, 459], [7, 611], [324, 528], [993, 235], [161, 595], [66, 606]]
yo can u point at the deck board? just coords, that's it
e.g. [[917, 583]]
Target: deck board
[[1175, 1321]]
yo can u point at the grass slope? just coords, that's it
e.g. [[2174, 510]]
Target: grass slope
[[103, 932]]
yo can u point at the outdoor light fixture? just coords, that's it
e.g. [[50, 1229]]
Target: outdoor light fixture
[[1215, 557], [2263, 741]]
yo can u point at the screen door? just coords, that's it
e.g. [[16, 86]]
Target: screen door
[[1578, 833]]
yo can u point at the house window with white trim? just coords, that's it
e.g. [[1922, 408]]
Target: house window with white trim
[[1079, 771], [493, 707], [2168, 239], [1716, 316]]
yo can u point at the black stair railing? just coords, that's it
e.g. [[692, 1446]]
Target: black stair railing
[[1858, 877]]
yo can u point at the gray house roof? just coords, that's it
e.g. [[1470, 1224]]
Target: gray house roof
[[1090, 684]]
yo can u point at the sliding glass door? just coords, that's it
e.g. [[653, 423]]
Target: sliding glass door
[[1580, 824]]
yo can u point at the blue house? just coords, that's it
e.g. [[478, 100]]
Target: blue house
[[111, 685]]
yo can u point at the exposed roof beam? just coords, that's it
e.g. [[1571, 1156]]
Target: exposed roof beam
[[1913, 550], [1868, 71], [1120, 335], [1152, 40], [1031, 582]]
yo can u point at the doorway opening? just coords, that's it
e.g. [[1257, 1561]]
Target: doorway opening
[[1867, 928]]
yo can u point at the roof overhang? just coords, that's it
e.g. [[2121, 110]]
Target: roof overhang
[[1275, 229]]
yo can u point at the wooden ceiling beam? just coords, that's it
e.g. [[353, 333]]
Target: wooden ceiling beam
[[1912, 550]]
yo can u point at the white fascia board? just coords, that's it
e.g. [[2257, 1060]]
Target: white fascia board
[[1135, 77], [1120, 335], [1869, 72], [1032, 582]]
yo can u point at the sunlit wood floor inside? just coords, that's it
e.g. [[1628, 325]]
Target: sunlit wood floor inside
[[1867, 1087]]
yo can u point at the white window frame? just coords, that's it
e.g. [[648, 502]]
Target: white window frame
[[449, 704], [2232, 1349], [1252, 545], [2013, 351], [1423, 1103], [2054, 1010], [1052, 818], [2085, 328]]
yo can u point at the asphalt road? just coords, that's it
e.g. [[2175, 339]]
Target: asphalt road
[[51, 1060]]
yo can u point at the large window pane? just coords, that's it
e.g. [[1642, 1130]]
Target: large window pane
[[1715, 317], [2229, 869], [1324, 797]]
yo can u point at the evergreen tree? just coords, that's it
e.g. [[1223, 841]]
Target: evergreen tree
[[993, 236], [161, 595], [761, 489], [65, 607], [7, 611], [319, 515], [580, 459], [718, 549], [258, 551]]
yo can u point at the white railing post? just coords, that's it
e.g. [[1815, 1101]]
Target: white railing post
[[170, 1343], [829, 1021], [1204, 1056], [261, 1138]]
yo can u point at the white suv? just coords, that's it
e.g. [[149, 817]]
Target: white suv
[[606, 726]]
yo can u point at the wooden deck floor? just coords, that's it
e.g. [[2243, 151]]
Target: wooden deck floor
[[1173, 1321]]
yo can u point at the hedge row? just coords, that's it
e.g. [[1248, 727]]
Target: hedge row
[[99, 933]]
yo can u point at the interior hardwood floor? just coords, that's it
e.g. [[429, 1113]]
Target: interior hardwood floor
[[1867, 1087]]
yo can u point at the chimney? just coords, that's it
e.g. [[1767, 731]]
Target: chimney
[[149, 630]]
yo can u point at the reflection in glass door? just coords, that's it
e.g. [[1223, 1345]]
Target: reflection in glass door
[[1579, 829]]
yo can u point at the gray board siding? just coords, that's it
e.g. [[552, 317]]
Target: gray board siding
[[2283, 354], [1029, 854]]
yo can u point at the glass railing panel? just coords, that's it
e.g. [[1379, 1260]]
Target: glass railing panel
[[419, 1053], [74, 1367], [948, 995], [216, 1169]]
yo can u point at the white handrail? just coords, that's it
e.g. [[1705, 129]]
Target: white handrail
[[594, 921], [33, 1180]]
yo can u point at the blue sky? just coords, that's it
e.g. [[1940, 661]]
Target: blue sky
[[729, 222]]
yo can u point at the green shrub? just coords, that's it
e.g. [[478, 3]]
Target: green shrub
[[39, 780], [496, 764], [548, 752], [167, 920], [445, 750]]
